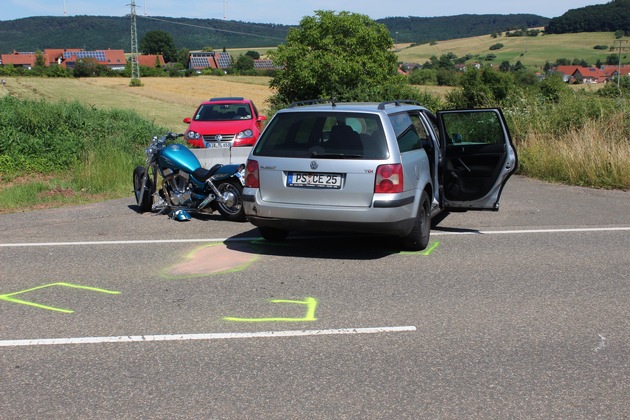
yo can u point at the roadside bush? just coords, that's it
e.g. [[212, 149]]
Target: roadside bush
[[612, 90], [426, 77], [98, 146], [483, 88]]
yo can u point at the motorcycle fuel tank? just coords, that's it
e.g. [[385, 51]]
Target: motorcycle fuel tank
[[177, 156]]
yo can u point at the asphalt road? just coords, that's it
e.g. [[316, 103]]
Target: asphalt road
[[524, 313]]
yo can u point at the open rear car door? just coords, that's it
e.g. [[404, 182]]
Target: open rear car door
[[478, 157]]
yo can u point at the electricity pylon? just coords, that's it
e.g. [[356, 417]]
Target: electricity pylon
[[135, 65]]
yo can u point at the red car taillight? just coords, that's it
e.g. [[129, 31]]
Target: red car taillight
[[251, 174], [389, 179]]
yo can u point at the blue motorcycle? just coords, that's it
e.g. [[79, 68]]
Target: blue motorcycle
[[184, 186]]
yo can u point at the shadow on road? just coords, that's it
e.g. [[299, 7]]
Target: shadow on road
[[317, 245]]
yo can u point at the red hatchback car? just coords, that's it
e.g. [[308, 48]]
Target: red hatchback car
[[224, 122]]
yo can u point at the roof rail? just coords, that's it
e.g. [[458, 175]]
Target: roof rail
[[311, 102], [398, 102], [228, 98]]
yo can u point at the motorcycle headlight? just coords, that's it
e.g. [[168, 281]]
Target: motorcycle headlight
[[245, 134], [193, 135]]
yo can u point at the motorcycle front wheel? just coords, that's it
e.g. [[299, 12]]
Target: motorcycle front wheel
[[232, 209], [140, 184]]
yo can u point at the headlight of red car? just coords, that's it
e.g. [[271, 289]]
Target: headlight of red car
[[193, 135], [245, 134]]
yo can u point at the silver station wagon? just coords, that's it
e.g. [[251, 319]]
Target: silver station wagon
[[381, 168]]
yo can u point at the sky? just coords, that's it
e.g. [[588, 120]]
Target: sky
[[286, 12]]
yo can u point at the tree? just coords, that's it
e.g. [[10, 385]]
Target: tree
[[347, 55], [159, 42], [183, 56], [483, 88], [519, 66], [244, 63], [423, 77], [86, 67], [253, 54], [40, 63]]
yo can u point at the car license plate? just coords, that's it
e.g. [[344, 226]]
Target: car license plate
[[210, 144], [314, 180]]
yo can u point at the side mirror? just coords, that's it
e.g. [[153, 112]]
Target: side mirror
[[261, 118], [187, 120]]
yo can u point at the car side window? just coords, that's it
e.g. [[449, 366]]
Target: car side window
[[406, 133], [432, 119], [473, 128]]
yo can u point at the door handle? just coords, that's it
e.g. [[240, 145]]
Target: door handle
[[463, 164]]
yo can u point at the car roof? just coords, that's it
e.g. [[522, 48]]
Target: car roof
[[387, 106], [230, 99]]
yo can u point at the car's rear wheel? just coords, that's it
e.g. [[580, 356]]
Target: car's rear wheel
[[273, 234], [418, 238]]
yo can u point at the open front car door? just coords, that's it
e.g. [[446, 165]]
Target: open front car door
[[478, 157]]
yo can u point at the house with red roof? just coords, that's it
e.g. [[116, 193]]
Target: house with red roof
[[20, 59], [68, 57], [112, 59], [589, 75], [614, 71], [151, 60], [566, 72], [55, 54], [200, 60]]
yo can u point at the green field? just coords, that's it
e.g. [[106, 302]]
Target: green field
[[531, 51]]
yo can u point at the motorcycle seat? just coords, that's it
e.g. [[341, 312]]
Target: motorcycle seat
[[203, 174]]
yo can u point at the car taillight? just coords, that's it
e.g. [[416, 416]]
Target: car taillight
[[251, 174], [389, 179]]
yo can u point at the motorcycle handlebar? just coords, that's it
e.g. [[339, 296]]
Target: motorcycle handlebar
[[173, 135]]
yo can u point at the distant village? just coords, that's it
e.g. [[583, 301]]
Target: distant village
[[117, 59], [199, 60]]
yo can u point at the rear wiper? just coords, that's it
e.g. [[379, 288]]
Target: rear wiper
[[337, 155]]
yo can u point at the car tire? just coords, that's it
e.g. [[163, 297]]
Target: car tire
[[418, 238], [272, 234], [147, 198]]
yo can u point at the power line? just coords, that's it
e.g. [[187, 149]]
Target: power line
[[213, 29]]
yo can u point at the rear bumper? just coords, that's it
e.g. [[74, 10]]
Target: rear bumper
[[396, 219]]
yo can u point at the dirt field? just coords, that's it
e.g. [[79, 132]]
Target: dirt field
[[167, 101]]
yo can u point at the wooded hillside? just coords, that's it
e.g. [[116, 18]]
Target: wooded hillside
[[102, 32], [610, 17]]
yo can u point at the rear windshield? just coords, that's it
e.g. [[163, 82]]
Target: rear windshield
[[324, 135]]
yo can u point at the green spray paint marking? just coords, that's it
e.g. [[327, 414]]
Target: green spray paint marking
[[311, 305], [9, 296], [427, 251]]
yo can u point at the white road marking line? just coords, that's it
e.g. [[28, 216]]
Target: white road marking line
[[206, 240], [188, 337], [499, 232]]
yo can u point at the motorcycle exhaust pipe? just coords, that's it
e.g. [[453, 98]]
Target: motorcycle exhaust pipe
[[215, 196], [206, 201]]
